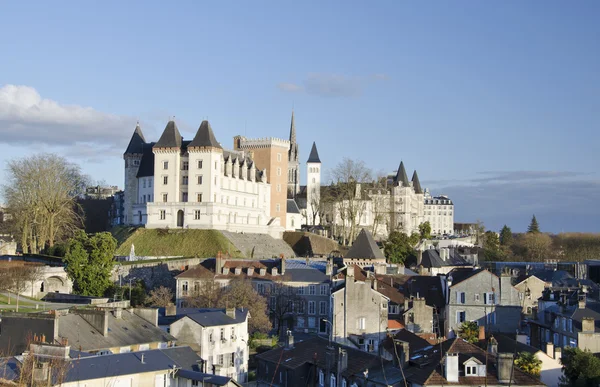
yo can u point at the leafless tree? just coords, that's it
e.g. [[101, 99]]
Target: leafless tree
[[160, 297], [283, 301]]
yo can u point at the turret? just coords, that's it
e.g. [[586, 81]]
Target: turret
[[133, 159]]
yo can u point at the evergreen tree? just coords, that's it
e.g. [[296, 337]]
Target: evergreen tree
[[506, 236], [529, 363], [534, 227]]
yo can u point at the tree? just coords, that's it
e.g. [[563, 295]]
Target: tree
[[41, 194], [534, 247], [425, 230], [348, 176], [283, 301], [400, 246], [89, 261], [469, 331], [529, 363], [160, 297], [506, 237], [580, 368], [533, 226], [18, 278], [491, 246], [479, 231]]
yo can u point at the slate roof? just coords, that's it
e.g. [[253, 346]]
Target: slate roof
[[416, 183], [431, 259], [386, 285], [208, 378], [146, 168], [415, 343], [401, 177], [130, 329], [170, 138], [508, 344], [206, 317], [314, 155], [429, 287], [292, 207], [425, 368], [364, 247], [205, 137], [459, 275], [137, 142]]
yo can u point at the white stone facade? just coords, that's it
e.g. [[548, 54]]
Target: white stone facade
[[439, 212], [191, 186]]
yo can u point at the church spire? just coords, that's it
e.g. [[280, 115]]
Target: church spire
[[314, 155], [416, 183], [293, 130]]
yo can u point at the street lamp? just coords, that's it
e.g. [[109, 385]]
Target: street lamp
[[331, 331]]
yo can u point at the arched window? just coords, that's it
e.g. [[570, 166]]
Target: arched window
[[332, 380]]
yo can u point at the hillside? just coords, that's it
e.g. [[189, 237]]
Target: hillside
[[173, 242], [309, 244]]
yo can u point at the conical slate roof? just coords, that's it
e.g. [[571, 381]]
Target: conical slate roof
[[293, 130], [416, 183], [364, 247], [170, 138], [136, 144], [401, 176], [205, 137], [314, 155]]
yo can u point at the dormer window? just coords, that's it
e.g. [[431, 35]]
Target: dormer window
[[470, 370], [474, 367]]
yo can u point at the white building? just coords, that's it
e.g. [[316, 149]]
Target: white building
[[219, 336], [195, 184], [439, 212]]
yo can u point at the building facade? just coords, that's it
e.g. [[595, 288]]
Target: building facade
[[439, 212], [174, 183]]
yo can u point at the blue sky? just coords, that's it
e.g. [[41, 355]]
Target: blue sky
[[494, 103]]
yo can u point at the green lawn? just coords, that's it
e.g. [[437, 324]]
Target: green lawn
[[173, 242], [13, 300]]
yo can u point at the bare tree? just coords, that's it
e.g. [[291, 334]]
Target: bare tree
[[160, 297], [17, 278], [348, 176], [40, 193], [283, 301]]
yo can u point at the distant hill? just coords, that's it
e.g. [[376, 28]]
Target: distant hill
[[173, 242]]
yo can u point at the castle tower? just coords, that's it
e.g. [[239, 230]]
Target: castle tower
[[293, 163], [419, 199], [132, 157], [313, 186], [167, 168]]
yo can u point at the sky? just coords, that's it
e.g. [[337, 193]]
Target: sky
[[496, 104]]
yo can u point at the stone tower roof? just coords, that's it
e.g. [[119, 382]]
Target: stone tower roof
[[314, 155], [365, 247], [170, 138], [136, 144], [205, 137], [293, 130], [401, 177], [416, 183]]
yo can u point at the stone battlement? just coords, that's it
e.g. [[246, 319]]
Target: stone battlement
[[249, 143]]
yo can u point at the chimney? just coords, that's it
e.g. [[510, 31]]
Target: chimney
[[170, 310], [142, 359], [550, 349], [289, 340], [230, 312], [505, 289], [403, 349], [588, 324], [374, 284], [118, 313], [481, 333], [558, 353], [282, 265], [493, 345], [219, 264], [342, 360], [581, 303], [250, 271], [451, 367], [329, 266], [504, 367]]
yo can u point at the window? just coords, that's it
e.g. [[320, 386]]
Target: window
[[232, 362], [165, 165], [186, 165], [144, 182], [184, 197], [199, 179], [344, 383], [136, 162], [165, 180], [461, 317], [197, 215], [312, 322], [222, 337], [220, 359], [471, 370], [278, 156], [163, 214], [322, 308], [199, 198], [460, 297], [300, 290], [556, 322], [491, 318], [312, 290], [301, 307], [324, 289], [150, 183], [477, 297], [278, 171], [321, 378], [278, 187], [564, 324], [332, 382], [300, 322], [393, 309], [185, 180], [556, 340], [570, 325], [362, 323], [199, 164], [311, 307], [165, 198], [184, 288], [277, 207], [488, 298]]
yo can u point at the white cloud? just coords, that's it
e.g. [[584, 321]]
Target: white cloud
[[332, 85], [290, 87], [27, 118]]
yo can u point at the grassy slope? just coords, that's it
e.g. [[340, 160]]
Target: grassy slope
[[161, 242]]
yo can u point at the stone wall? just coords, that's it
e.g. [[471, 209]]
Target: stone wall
[[259, 246], [154, 274]]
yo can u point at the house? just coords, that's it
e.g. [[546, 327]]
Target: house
[[436, 261], [481, 296], [219, 336], [98, 330], [359, 313], [530, 288], [59, 365], [304, 282], [315, 362], [456, 362], [402, 345]]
